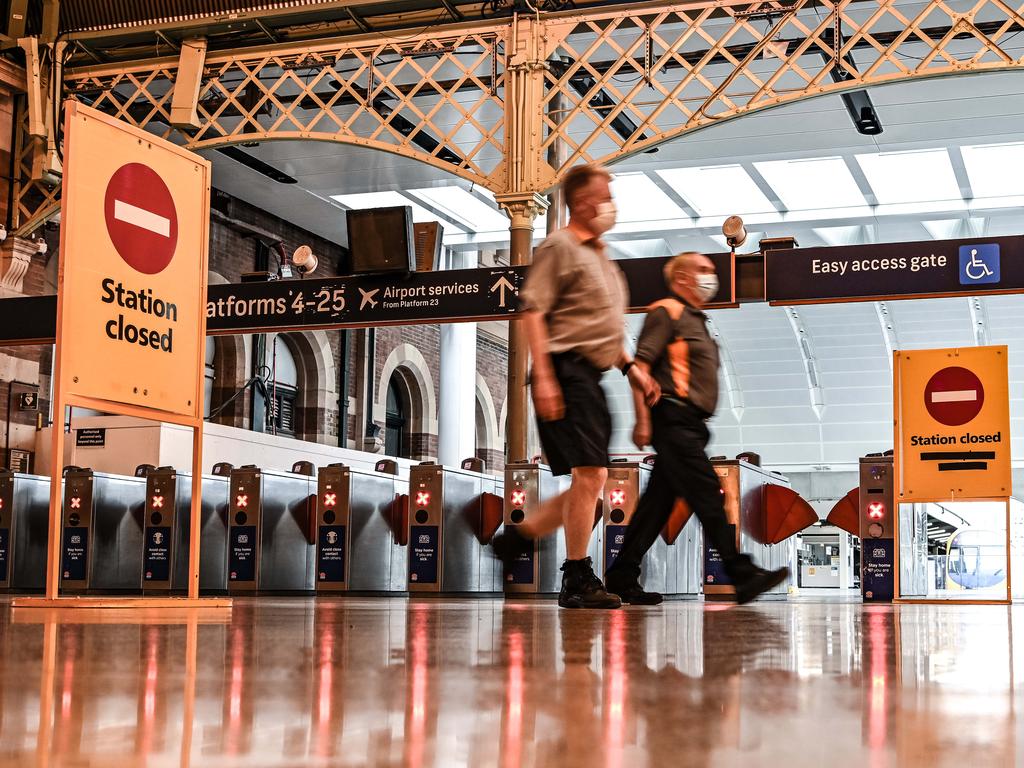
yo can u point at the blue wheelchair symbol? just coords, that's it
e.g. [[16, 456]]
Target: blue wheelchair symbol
[[979, 264]]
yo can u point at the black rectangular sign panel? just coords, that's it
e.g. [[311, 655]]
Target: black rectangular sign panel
[[895, 270], [91, 438], [364, 301]]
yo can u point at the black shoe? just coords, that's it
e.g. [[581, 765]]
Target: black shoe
[[758, 583], [635, 595], [582, 589], [509, 545]]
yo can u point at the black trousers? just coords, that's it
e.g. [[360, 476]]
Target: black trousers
[[682, 470]]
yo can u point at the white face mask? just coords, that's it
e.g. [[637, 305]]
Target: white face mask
[[707, 286], [604, 220]]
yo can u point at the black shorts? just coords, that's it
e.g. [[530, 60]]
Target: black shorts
[[582, 436]]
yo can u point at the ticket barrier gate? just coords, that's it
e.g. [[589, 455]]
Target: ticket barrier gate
[[101, 520], [24, 513], [453, 515], [361, 529], [765, 513], [167, 525], [671, 565], [528, 484], [271, 529]]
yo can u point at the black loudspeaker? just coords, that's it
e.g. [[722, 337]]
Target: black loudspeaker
[[381, 240]]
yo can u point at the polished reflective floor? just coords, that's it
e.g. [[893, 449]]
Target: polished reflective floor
[[339, 682]]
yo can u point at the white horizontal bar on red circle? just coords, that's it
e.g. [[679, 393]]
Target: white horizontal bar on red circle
[[140, 217], [955, 396]]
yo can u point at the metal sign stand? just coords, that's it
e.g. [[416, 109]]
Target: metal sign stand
[[67, 387]]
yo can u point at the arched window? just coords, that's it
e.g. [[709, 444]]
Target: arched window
[[397, 433], [282, 389], [481, 432]]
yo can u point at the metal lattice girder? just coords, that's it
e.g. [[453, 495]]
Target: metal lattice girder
[[625, 83], [593, 85]]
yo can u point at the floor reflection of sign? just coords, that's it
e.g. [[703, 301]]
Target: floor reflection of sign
[[423, 554], [158, 554], [878, 579], [331, 554], [28, 401], [243, 553], [952, 424], [73, 560]]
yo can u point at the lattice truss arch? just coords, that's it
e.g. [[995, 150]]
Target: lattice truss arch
[[599, 85]]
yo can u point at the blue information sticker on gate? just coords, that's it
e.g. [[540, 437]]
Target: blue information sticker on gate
[[714, 566], [614, 535], [242, 549], [423, 554], [878, 581], [521, 569], [4, 538], [158, 554], [74, 558], [330, 562]]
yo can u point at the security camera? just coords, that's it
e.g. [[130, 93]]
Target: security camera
[[41, 246], [3, 233], [734, 231], [304, 260]]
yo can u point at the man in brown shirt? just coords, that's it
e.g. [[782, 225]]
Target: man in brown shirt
[[574, 301], [677, 349]]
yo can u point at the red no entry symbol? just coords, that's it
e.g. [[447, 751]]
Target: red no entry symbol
[[141, 218], [954, 396]]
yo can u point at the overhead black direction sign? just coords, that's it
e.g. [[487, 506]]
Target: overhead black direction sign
[[895, 270]]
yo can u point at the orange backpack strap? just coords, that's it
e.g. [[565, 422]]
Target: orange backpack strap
[[674, 308], [678, 351]]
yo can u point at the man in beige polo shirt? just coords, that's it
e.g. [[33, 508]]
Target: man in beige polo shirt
[[574, 302]]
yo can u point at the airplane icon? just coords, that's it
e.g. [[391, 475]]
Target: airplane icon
[[367, 298]]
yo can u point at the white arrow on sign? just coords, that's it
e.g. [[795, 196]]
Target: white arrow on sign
[[502, 286]]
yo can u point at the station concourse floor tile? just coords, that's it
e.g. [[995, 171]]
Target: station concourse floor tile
[[420, 683]]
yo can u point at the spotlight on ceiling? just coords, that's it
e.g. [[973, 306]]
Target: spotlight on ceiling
[[304, 260], [862, 112], [734, 231]]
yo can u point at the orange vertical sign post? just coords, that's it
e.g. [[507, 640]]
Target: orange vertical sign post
[[131, 298]]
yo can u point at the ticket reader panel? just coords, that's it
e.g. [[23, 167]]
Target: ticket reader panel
[[167, 525], [25, 514], [102, 536], [270, 545], [6, 526], [446, 531], [743, 488], [877, 530], [359, 546], [528, 485], [625, 484]]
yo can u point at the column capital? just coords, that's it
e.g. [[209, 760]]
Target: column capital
[[522, 207], [15, 259]]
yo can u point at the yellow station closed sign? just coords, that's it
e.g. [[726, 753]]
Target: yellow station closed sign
[[952, 413], [135, 219]]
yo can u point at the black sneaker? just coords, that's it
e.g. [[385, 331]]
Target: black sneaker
[[759, 582], [582, 589], [510, 544], [635, 594]]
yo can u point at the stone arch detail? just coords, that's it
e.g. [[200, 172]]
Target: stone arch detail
[[409, 363], [317, 409]]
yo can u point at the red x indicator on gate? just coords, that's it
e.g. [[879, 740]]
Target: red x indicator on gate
[[617, 497], [518, 497], [330, 499], [242, 501], [422, 498], [76, 503], [158, 502]]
